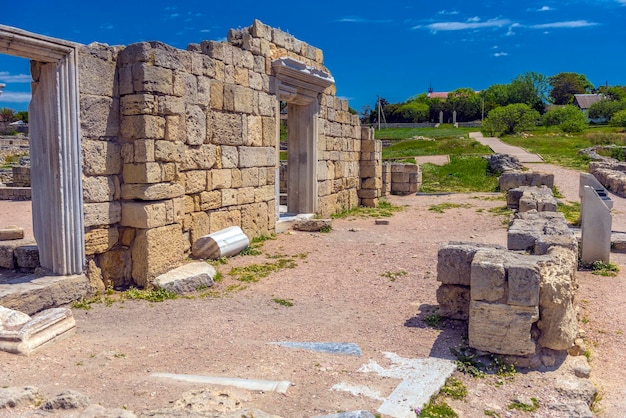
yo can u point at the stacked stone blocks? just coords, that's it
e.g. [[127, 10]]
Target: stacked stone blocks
[[371, 167], [401, 179]]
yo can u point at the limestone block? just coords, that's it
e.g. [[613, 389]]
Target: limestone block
[[254, 219], [454, 301], [238, 99], [170, 105], [186, 278], [199, 157], [236, 178], [151, 79], [27, 256], [189, 90], [267, 105], [11, 232], [138, 104], [210, 200], [254, 130], [369, 193], [513, 179], [264, 193], [158, 191], [175, 128], [99, 116], [221, 179], [454, 262], [116, 267], [146, 214], [101, 158], [229, 197], [100, 188], [169, 151], [195, 181], [142, 126], [200, 225], [488, 276], [143, 150], [100, 240], [225, 128], [312, 225], [523, 278], [149, 172], [257, 157], [250, 177], [217, 95], [502, 329], [106, 213], [229, 156], [204, 92], [196, 125], [97, 68], [245, 195], [224, 218], [155, 251], [558, 323]]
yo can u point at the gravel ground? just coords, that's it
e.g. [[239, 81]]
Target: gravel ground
[[372, 285]]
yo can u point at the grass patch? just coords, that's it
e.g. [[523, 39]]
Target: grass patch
[[393, 275], [384, 210], [490, 413], [600, 268], [571, 211], [254, 272], [436, 408], [444, 131], [150, 295], [521, 406], [463, 174], [454, 389], [503, 211], [255, 245], [283, 302], [433, 320], [449, 146], [555, 148], [442, 207]]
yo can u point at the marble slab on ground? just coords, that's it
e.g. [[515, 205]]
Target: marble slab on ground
[[333, 348], [186, 278], [420, 380], [351, 414]]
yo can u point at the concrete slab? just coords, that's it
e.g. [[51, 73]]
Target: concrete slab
[[333, 348], [351, 414], [279, 386], [432, 159]]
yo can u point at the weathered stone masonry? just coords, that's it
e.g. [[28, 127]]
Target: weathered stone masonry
[[178, 144]]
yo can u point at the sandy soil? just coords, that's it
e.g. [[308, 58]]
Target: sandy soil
[[346, 286]]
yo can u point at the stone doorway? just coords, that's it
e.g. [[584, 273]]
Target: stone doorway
[[54, 148], [300, 86]]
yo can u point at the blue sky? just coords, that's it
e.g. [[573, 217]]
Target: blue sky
[[394, 48]]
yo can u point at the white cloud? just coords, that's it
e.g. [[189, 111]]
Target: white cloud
[[5, 77], [500, 54], [356, 19], [473, 23], [571, 24], [546, 9], [205, 31], [14, 97], [511, 31], [108, 27], [451, 12]]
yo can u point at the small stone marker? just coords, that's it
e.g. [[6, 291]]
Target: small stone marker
[[11, 232], [223, 243], [381, 222], [186, 278], [312, 225]]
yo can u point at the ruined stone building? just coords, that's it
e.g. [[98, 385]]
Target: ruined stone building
[[139, 150]]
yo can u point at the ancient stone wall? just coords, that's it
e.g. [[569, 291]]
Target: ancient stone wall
[[401, 178], [514, 302], [178, 144]]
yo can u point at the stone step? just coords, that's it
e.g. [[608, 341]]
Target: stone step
[[32, 293]]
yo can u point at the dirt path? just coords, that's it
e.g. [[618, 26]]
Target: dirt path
[[372, 285]]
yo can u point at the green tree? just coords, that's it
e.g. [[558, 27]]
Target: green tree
[[619, 119], [22, 115], [466, 103], [530, 88], [510, 119], [7, 115], [606, 108], [413, 111], [566, 85], [568, 118], [496, 95]]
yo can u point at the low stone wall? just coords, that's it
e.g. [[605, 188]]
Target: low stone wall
[[20, 253], [15, 193], [514, 179], [371, 168], [611, 174], [401, 179], [21, 176], [514, 302], [524, 199]]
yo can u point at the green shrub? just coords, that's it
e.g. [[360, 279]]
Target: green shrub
[[619, 119]]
